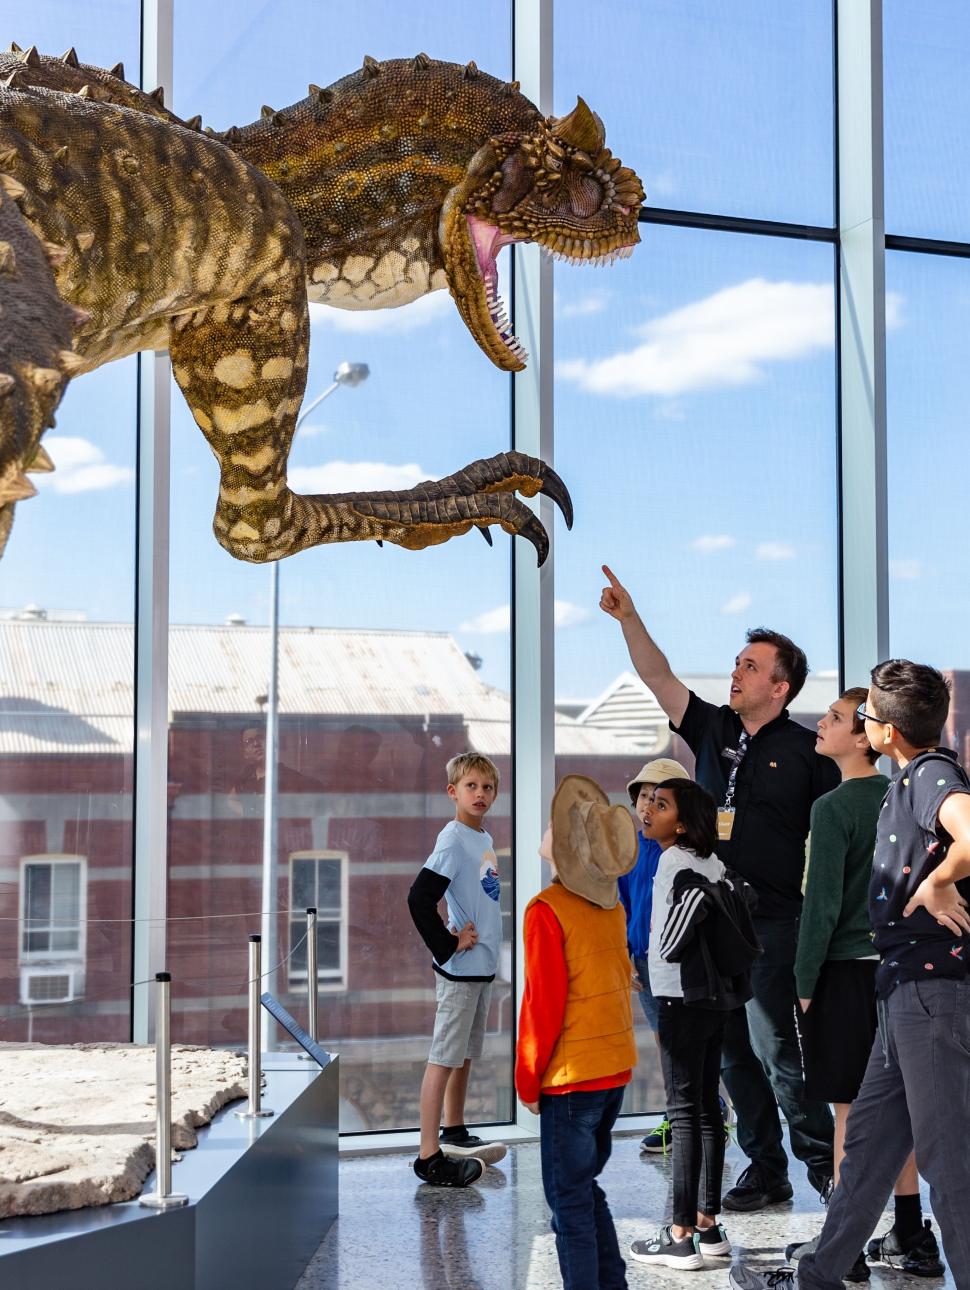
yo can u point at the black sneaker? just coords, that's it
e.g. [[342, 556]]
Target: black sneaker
[[449, 1171], [458, 1136], [859, 1270], [919, 1255], [713, 1242], [665, 1251], [459, 1142], [755, 1189], [742, 1277], [823, 1183]]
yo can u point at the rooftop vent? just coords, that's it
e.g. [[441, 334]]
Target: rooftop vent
[[235, 620], [32, 613]]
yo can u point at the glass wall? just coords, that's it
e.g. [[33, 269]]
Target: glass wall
[[67, 672], [696, 383], [389, 663]]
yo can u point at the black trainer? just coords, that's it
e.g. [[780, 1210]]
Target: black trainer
[[859, 1271], [755, 1189], [823, 1183], [919, 1255], [458, 1136], [449, 1171]]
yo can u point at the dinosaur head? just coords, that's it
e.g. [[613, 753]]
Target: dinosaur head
[[410, 175], [559, 186]]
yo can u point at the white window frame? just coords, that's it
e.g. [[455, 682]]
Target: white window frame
[[78, 955], [328, 981]]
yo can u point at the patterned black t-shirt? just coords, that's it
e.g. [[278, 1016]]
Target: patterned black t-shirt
[[910, 843]]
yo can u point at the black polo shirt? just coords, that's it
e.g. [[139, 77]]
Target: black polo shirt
[[777, 782], [910, 844]]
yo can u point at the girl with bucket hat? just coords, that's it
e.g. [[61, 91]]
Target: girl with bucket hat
[[576, 1051]]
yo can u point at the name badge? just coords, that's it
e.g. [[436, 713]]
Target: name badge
[[725, 823]]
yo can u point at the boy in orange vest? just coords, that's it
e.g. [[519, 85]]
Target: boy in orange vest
[[576, 1050]]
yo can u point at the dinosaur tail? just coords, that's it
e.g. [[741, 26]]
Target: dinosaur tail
[[35, 351]]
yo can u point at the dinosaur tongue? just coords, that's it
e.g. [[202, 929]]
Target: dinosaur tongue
[[488, 241]]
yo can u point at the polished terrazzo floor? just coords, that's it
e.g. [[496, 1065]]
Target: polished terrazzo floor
[[393, 1232]]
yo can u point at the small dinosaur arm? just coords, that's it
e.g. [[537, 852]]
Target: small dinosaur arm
[[124, 228]]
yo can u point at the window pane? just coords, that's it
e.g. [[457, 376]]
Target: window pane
[[66, 597], [928, 387], [696, 429], [718, 107], [926, 47], [328, 885], [328, 947], [67, 893], [304, 887], [38, 902], [375, 689]]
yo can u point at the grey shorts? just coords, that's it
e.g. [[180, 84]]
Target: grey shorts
[[459, 1022]]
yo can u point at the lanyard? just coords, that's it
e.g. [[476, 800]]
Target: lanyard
[[738, 759]]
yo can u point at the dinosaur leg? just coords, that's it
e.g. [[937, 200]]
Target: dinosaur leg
[[242, 368], [35, 353]]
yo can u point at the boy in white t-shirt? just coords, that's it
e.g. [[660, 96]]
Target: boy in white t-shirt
[[463, 871]]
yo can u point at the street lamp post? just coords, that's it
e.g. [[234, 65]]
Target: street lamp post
[[350, 375]]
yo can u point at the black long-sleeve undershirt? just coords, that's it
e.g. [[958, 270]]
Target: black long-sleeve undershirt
[[426, 892]]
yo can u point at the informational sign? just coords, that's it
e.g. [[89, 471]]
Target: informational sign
[[293, 1027]]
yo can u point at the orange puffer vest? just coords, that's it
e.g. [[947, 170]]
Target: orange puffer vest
[[596, 1039]]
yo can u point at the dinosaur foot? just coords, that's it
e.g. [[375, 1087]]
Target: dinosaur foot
[[477, 496]]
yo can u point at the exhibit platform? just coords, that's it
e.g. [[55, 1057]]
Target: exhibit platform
[[262, 1196]]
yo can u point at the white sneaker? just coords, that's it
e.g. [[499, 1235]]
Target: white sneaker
[[713, 1241]]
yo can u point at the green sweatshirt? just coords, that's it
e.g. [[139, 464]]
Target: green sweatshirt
[[835, 915]]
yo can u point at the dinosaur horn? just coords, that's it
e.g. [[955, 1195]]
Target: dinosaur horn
[[582, 129]]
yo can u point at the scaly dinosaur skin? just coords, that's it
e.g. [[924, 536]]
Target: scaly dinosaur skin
[[123, 228]]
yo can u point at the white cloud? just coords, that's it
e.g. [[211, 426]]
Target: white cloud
[[775, 551], [354, 477], [722, 340], [709, 542], [310, 429], [582, 308], [424, 310], [494, 621], [489, 623], [568, 615], [894, 310], [79, 467], [663, 184], [906, 570], [736, 604]]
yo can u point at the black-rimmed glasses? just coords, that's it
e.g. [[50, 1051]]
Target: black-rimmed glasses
[[867, 716]]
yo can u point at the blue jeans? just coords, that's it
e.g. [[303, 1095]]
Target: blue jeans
[[762, 1068], [575, 1145], [651, 1009]]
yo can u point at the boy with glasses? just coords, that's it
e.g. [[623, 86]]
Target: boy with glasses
[[917, 1084]]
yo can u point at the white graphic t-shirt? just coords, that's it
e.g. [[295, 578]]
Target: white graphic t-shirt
[[467, 858]]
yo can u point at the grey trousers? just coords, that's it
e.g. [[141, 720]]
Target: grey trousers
[[916, 1091]]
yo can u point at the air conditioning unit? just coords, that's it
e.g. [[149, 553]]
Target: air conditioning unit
[[50, 984]]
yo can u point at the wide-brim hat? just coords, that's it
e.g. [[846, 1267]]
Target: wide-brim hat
[[593, 843], [655, 772]]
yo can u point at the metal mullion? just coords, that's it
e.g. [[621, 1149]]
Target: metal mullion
[[150, 807], [533, 644], [736, 224]]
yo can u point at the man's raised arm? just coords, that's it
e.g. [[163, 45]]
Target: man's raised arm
[[648, 659]]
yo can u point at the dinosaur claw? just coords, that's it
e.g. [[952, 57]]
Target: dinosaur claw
[[552, 486], [486, 535], [380, 544]]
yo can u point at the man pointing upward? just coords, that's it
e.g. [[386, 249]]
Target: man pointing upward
[[764, 773]]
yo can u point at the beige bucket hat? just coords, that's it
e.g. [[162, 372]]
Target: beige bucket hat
[[593, 843], [655, 772]]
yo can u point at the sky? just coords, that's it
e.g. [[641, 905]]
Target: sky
[[695, 383]]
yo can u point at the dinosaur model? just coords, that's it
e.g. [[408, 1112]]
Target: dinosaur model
[[124, 228]]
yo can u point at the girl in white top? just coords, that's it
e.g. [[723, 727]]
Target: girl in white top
[[682, 818]]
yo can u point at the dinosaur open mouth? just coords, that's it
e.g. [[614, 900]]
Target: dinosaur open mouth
[[488, 241]]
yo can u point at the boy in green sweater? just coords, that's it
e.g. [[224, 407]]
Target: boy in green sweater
[[835, 965]]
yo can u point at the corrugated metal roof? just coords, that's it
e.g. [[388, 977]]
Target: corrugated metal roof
[[67, 687]]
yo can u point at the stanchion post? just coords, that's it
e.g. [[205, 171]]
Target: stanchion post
[[163, 1197], [311, 979], [254, 1108]]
